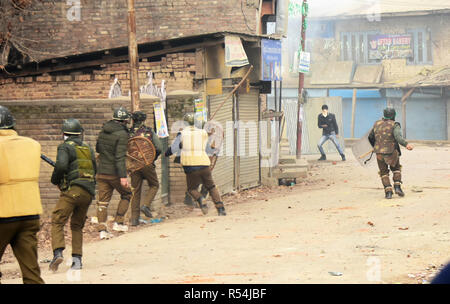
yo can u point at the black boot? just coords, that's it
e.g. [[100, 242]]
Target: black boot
[[76, 262], [134, 222], [221, 211], [323, 157], [398, 190], [188, 200], [343, 157], [203, 207], [388, 194], [146, 211], [57, 259]]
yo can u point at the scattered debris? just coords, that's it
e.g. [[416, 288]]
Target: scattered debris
[[370, 224], [45, 261], [163, 236], [336, 274], [405, 228], [277, 256], [416, 189]]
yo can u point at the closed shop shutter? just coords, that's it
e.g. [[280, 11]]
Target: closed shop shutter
[[248, 140], [223, 173]]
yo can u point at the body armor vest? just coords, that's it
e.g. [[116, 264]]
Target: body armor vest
[[81, 167], [384, 136]]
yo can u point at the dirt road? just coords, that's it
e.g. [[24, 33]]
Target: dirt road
[[336, 221]]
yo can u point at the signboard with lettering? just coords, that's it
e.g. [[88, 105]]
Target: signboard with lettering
[[390, 46], [271, 60]]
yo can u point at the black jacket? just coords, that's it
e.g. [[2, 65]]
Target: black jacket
[[330, 122], [112, 144]]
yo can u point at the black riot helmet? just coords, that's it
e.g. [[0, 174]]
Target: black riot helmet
[[389, 113], [121, 114], [138, 116], [72, 126], [7, 121]]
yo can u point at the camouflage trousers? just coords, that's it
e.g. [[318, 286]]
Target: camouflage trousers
[[387, 163]]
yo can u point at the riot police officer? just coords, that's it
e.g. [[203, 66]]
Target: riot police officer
[[147, 172], [385, 137], [112, 172], [74, 174], [20, 201]]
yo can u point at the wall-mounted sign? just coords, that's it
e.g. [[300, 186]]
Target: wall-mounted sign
[[390, 46], [160, 119], [214, 86], [271, 60], [304, 63], [201, 114], [234, 52]]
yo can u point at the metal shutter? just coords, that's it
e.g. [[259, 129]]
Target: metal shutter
[[223, 173], [248, 138]]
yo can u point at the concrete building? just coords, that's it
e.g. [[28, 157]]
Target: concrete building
[[372, 54]]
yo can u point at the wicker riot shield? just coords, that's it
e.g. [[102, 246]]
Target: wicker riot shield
[[141, 152]]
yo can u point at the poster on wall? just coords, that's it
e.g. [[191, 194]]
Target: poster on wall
[[200, 113], [388, 46], [160, 119], [271, 60], [235, 55]]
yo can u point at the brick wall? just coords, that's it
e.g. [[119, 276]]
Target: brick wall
[[177, 70], [42, 121], [103, 23]]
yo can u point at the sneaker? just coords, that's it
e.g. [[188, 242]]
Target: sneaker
[[146, 211], [104, 235], [120, 227], [323, 157], [343, 157], [57, 259], [76, 263]]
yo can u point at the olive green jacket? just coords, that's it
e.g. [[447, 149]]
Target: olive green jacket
[[112, 148], [65, 160]]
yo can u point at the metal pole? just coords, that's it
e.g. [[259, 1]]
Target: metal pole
[[353, 113], [133, 57], [301, 81]]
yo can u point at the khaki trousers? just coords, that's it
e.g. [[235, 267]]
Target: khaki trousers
[[147, 173], [73, 203], [203, 176], [21, 235], [106, 185]]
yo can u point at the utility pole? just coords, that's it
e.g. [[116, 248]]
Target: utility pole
[[301, 82], [133, 57]]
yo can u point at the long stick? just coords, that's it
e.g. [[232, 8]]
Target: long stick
[[232, 92], [133, 57]]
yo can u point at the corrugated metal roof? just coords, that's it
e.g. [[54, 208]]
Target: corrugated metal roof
[[346, 8]]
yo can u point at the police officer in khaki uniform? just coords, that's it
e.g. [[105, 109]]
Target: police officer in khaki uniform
[[112, 172], [147, 172], [74, 174], [20, 201], [193, 143], [385, 137]]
